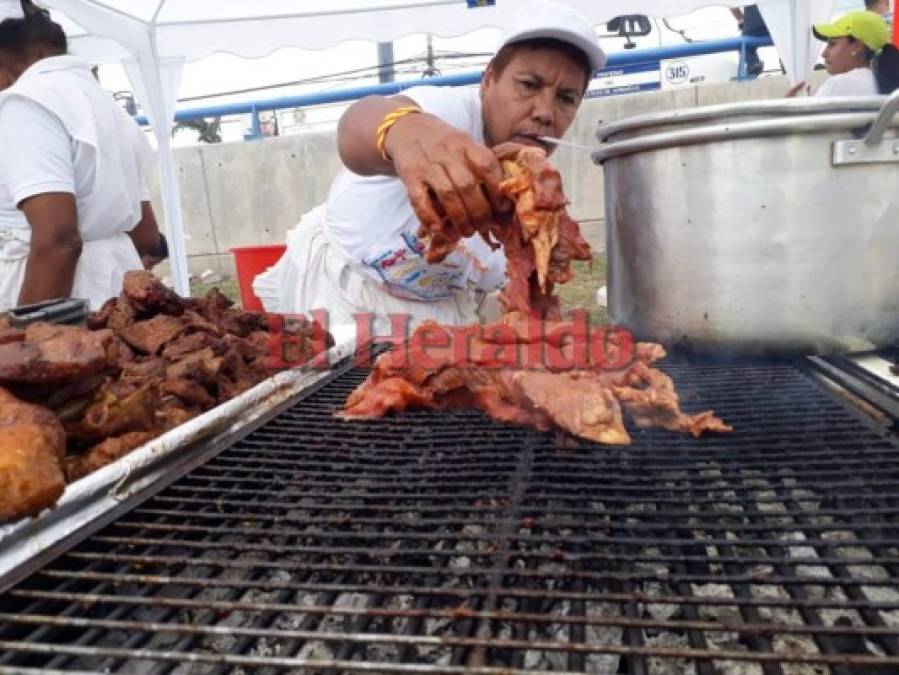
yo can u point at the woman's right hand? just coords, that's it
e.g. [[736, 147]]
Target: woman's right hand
[[452, 180]]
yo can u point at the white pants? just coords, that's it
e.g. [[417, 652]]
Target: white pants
[[98, 275], [314, 274]]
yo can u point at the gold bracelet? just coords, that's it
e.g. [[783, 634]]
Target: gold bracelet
[[389, 120]]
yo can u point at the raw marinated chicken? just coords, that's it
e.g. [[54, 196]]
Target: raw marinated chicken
[[539, 238], [492, 373], [528, 369]]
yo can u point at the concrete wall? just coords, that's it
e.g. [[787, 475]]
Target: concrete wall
[[239, 194]]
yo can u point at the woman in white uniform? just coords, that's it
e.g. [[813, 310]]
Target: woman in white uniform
[[74, 210], [858, 57], [424, 157]]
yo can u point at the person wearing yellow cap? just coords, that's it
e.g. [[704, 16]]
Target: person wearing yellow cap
[[858, 56]]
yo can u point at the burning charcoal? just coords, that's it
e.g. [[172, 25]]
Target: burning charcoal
[[603, 635], [316, 650], [666, 666]]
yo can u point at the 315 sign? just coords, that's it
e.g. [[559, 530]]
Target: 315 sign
[[677, 73]]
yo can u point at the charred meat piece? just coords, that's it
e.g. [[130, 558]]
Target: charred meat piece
[[186, 344], [190, 391], [195, 322], [149, 295], [141, 372], [55, 396], [150, 335], [149, 362], [115, 314], [202, 366], [51, 353], [8, 333], [213, 305], [174, 413], [114, 413], [105, 452], [32, 446]]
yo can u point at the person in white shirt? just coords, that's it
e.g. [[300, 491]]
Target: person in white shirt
[[881, 7], [74, 210], [858, 57], [431, 164]]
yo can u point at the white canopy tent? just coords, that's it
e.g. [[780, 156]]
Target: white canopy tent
[[155, 38]]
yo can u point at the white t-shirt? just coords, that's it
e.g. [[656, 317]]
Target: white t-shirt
[[857, 82], [60, 132], [39, 157], [370, 219]]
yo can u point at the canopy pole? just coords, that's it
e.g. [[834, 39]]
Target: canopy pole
[[171, 204]]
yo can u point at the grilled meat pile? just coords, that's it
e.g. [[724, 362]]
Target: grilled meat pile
[[73, 399], [530, 368]]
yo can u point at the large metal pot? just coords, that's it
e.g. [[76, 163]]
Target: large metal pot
[[763, 227]]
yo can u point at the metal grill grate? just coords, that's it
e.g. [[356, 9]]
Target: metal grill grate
[[449, 543]]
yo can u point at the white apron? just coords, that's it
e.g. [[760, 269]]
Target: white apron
[[64, 86], [98, 274], [315, 274]]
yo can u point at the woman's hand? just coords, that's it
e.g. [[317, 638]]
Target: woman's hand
[[452, 181], [145, 235], [802, 87]]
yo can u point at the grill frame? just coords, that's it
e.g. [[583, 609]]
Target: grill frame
[[475, 653]]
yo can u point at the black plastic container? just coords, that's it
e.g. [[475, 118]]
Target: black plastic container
[[69, 311]]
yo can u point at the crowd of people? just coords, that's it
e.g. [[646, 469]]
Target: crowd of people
[[75, 214]]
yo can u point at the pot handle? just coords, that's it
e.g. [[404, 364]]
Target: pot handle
[[884, 118], [871, 149]]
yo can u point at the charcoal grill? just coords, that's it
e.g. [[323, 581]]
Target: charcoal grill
[[449, 543]]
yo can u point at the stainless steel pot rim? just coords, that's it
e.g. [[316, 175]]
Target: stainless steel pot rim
[[776, 107], [845, 123]]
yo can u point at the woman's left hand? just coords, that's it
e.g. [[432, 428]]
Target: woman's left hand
[[796, 89]]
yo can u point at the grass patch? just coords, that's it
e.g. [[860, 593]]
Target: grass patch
[[580, 292], [227, 286]]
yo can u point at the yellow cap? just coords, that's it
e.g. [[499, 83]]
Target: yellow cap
[[868, 27]]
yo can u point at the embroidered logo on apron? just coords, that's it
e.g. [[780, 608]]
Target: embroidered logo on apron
[[406, 274]]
